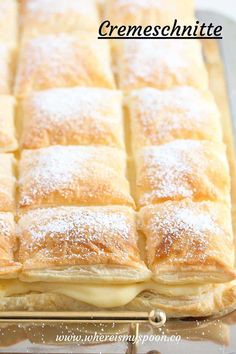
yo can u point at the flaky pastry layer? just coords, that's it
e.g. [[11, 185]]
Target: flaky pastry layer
[[73, 175], [72, 116], [182, 169], [219, 300], [161, 64], [158, 117], [63, 60], [189, 242], [80, 244]]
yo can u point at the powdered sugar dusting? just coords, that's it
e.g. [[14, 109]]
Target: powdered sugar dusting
[[62, 104], [162, 116], [6, 225], [148, 58], [52, 53], [177, 169], [161, 64], [73, 115], [183, 231], [100, 234], [44, 8], [78, 174], [85, 222]]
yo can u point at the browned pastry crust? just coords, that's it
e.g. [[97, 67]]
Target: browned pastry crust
[[161, 64], [158, 117], [73, 175], [72, 116], [63, 60], [8, 267], [80, 244], [189, 242], [182, 169]]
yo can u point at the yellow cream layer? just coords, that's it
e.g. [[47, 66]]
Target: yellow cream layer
[[100, 295]]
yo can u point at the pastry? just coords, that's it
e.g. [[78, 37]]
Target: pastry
[[53, 16], [72, 116], [158, 117], [161, 64], [9, 22], [149, 12], [86, 244], [189, 242], [5, 68], [63, 60], [8, 140], [7, 182], [73, 175], [77, 243], [8, 267], [182, 169]]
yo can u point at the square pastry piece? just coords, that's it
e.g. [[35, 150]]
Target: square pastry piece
[[7, 182], [149, 12], [161, 64], [158, 117], [8, 140], [8, 267], [73, 175], [182, 169], [86, 244], [63, 60], [9, 22], [189, 242], [6, 64], [54, 16], [72, 116]]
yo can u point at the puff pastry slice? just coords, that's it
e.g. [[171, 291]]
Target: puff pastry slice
[[73, 175], [161, 64], [189, 242], [72, 116], [158, 117], [63, 60], [90, 244], [182, 169]]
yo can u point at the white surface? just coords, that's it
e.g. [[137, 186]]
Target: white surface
[[226, 7]]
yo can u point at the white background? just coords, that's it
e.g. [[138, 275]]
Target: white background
[[227, 7]]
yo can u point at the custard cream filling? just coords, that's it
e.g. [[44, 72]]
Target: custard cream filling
[[98, 294]]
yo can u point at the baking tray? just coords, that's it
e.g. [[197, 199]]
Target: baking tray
[[38, 332]]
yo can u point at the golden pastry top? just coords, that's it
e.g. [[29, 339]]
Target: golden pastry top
[[73, 116], [189, 242], [158, 117], [86, 236]]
